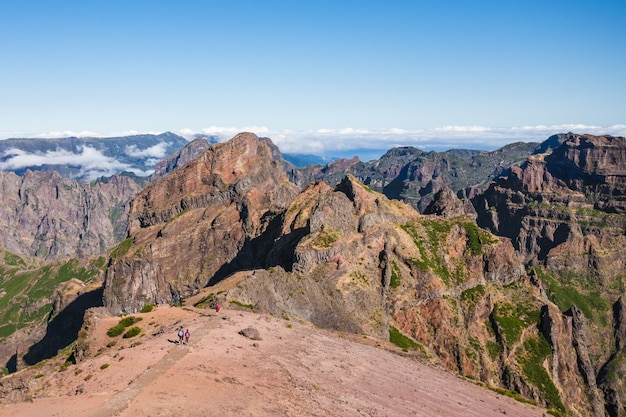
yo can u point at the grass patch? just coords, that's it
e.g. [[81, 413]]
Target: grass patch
[[512, 394], [534, 352], [471, 296], [477, 237], [396, 275], [240, 304], [513, 319], [122, 248], [120, 328], [147, 308], [132, 332], [405, 343], [565, 289], [104, 366], [326, 237]]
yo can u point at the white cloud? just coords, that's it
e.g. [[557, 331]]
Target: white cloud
[[351, 140], [327, 142], [90, 161], [156, 151]]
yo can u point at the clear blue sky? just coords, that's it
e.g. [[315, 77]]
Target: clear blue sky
[[292, 68]]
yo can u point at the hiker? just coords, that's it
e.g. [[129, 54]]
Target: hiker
[[181, 334], [187, 334], [217, 308]]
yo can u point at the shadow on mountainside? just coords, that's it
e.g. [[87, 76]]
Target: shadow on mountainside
[[62, 329], [269, 249]]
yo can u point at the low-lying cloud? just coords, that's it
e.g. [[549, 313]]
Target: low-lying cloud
[[157, 151], [91, 163], [328, 142]]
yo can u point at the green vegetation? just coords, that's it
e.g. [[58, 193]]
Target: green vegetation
[[104, 366], [326, 237], [565, 289], [13, 260], [397, 338], [494, 349], [25, 292], [430, 237], [514, 318], [240, 304], [132, 332], [207, 302], [531, 357], [119, 328], [147, 308], [477, 237], [512, 394], [396, 275], [471, 296], [122, 248]]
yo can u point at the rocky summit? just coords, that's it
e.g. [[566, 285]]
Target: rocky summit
[[520, 289], [199, 224]]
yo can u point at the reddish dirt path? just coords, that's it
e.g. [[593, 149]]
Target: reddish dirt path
[[295, 370]]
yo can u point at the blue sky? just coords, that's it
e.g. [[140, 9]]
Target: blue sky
[[317, 76]]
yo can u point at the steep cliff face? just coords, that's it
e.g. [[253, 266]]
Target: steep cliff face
[[564, 211], [366, 264], [51, 217], [181, 157], [200, 223]]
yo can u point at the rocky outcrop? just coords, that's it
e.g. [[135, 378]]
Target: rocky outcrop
[[199, 224], [181, 157], [416, 176], [564, 211], [446, 204], [569, 197], [51, 217]]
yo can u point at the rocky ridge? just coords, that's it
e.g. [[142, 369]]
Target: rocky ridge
[[345, 257], [564, 211], [51, 217]]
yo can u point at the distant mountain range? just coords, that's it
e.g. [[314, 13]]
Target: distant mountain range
[[86, 159]]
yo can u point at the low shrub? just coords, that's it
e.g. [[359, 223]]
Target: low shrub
[[132, 332]]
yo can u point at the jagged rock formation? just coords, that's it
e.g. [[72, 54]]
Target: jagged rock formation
[[446, 204], [341, 257], [51, 217], [415, 176], [565, 212], [200, 223], [181, 157], [570, 196]]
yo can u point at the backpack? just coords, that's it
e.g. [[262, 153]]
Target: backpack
[[187, 335]]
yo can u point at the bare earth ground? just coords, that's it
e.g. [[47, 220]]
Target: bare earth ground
[[294, 370]]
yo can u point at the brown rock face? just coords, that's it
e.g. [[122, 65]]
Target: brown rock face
[[51, 217], [565, 212], [575, 196], [198, 224]]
